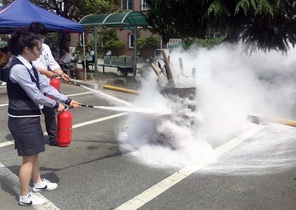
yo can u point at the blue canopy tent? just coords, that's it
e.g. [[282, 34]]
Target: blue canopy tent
[[20, 13]]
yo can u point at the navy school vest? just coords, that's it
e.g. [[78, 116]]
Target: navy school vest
[[20, 104]]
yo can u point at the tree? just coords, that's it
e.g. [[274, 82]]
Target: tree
[[147, 46], [75, 10], [266, 24], [176, 18], [112, 41], [5, 2]]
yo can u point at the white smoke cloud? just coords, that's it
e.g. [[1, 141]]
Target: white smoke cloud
[[230, 85]]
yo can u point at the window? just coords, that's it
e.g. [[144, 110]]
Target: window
[[144, 5], [127, 5], [131, 39]]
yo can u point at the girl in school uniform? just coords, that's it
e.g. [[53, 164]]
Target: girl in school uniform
[[26, 89]]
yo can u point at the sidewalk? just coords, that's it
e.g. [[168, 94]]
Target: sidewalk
[[96, 79]]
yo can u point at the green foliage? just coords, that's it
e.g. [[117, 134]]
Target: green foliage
[[149, 42], [204, 43], [218, 8], [75, 10], [114, 43], [244, 5], [5, 2], [112, 40], [175, 18], [52, 38], [266, 24]]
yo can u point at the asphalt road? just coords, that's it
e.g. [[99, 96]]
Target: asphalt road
[[254, 170]]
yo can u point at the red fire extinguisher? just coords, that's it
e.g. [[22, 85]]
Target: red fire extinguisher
[[64, 134], [56, 83]]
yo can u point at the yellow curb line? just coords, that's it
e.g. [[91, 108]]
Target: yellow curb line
[[120, 89], [257, 119]]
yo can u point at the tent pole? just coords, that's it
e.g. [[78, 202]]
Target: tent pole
[[83, 41], [95, 47], [135, 52]]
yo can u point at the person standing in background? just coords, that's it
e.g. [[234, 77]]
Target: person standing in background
[[3, 56], [66, 58], [25, 90], [4, 70], [3, 61], [11, 57], [48, 66], [89, 57], [108, 53]]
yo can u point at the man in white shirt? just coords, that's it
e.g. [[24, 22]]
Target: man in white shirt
[[48, 66], [66, 58]]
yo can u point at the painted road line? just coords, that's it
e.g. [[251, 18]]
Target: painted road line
[[237, 140], [6, 143], [175, 178], [13, 181], [79, 94], [99, 120]]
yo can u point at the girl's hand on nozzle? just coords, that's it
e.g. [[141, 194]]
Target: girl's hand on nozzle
[[75, 104]]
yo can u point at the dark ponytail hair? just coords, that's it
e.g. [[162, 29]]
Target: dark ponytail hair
[[21, 39]]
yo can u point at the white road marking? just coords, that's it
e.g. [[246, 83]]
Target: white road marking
[[6, 143], [12, 180], [98, 120], [170, 181], [79, 94]]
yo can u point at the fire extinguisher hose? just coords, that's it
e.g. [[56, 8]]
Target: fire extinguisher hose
[[128, 109]]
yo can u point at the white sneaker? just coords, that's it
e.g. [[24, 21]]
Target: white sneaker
[[2, 83], [47, 186], [31, 200]]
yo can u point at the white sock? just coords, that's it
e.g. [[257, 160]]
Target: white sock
[[39, 184], [25, 198]]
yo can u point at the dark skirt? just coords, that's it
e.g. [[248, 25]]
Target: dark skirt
[[27, 134]]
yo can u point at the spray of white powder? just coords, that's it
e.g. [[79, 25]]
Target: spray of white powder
[[229, 85]]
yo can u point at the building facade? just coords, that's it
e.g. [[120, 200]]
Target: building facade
[[125, 35]]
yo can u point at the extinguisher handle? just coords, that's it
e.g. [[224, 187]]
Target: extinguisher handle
[[68, 107]]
